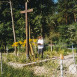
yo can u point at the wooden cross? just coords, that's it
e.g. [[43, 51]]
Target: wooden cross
[[27, 31]]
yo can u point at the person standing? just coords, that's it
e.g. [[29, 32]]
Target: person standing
[[40, 43]]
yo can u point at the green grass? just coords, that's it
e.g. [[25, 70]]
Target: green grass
[[21, 58], [9, 71]]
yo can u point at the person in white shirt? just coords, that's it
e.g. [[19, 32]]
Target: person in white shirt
[[40, 45]]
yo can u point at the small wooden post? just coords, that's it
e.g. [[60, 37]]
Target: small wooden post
[[61, 64], [73, 54], [7, 50], [29, 30]]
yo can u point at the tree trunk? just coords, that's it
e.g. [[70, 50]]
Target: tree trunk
[[74, 17], [66, 18], [13, 26], [5, 48]]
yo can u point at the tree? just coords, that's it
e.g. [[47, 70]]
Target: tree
[[65, 10], [41, 10]]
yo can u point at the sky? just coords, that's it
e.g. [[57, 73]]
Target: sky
[[55, 1]]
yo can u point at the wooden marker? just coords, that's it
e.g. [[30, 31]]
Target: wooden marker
[[61, 56]]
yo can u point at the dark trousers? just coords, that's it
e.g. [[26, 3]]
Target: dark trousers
[[40, 51]]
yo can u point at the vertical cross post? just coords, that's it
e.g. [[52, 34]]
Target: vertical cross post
[[27, 33], [27, 29]]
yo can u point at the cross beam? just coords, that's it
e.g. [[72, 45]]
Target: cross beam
[[27, 27], [30, 10]]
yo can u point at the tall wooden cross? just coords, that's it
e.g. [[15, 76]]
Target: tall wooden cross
[[27, 31]]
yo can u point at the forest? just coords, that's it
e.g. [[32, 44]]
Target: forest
[[55, 21]]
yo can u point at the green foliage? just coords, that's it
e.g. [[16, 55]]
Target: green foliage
[[62, 51], [50, 54], [49, 19], [20, 58], [12, 72], [76, 60], [65, 9]]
